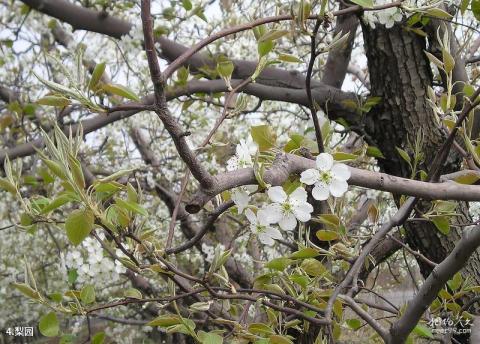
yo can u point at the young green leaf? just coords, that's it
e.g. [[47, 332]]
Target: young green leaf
[[121, 91], [264, 136], [7, 186], [326, 235], [57, 101], [442, 224], [26, 290], [133, 293], [96, 75], [48, 325], [87, 295], [78, 225], [131, 206]]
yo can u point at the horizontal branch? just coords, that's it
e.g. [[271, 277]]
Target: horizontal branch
[[288, 164], [297, 96]]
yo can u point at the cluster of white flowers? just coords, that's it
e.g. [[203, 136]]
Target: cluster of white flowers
[[245, 150], [387, 17], [91, 264], [328, 178]]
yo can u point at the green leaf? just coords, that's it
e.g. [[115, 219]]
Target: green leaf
[[7, 186], [121, 91], [77, 172], [115, 176], [423, 331], [354, 324], [273, 35], [48, 325], [87, 295], [133, 293], [433, 59], [263, 136], [469, 178], [98, 338], [225, 68], [364, 3], [209, 338], [55, 168], [260, 329], [72, 276], [277, 339], [442, 224], [313, 267], [463, 6], [54, 101], [78, 225], [331, 220], [131, 206], [375, 152], [200, 306], [341, 156], [97, 75], [265, 47], [187, 5], [306, 252], [279, 264], [404, 155], [448, 61], [438, 13], [456, 281], [165, 320], [56, 203], [288, 58], [26, 290], [326, 235], [26, 219]]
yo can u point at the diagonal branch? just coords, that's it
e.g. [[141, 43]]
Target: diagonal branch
[[444, 271]]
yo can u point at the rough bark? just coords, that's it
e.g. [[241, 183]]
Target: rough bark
[[400, 74]]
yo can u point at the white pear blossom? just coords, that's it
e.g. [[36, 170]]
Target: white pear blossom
[[260, 225], [329, 178], [386, 17], [287, 209], [241, 198], [370, 18], [389, 16], [243, 156]]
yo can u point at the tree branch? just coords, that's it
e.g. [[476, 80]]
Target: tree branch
[[287, 164], [444, 271]]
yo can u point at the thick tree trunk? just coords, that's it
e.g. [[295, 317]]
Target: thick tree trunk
[[400, 74]]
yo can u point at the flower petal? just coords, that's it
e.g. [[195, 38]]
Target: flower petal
[[273, 213], [324, 161], [251, 188], [251, 216], [320, 192], [266, 239], [309, 176], [338, 187], [241, 199], [288, 222], [273, 233], [341, 171], [299, 195], [277, 194], [302, 212]]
